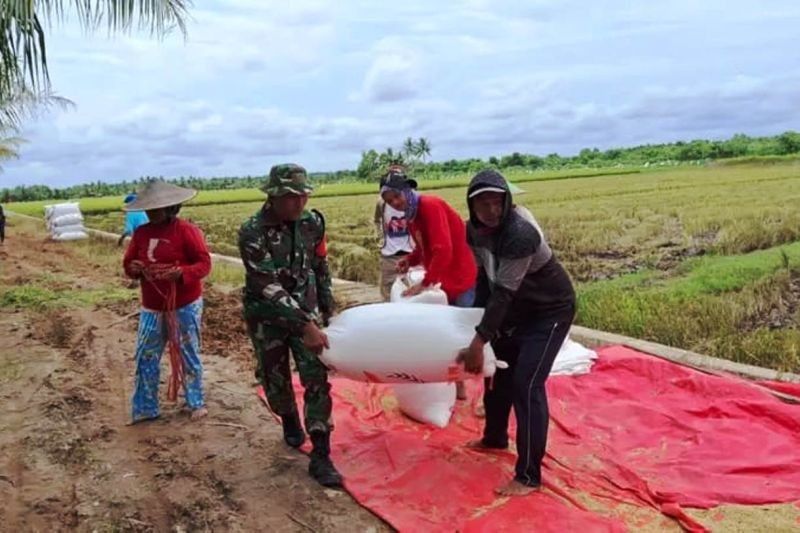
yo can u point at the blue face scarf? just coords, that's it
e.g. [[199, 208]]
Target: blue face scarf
[[412, 200]]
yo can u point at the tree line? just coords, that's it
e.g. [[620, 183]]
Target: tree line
[[414, 155]]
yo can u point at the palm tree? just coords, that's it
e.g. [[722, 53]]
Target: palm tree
[[24, 71], [410, 148], [423, 148]]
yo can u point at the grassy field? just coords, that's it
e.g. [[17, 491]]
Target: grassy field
[[109, 204], [601, 227], [701, 258]]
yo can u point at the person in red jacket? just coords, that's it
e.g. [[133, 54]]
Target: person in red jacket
[[440, 238], [170, 258]]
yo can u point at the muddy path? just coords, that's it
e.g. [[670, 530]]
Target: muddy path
[[68, 461]]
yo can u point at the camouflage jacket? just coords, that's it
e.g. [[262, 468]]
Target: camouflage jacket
[[288, 282]]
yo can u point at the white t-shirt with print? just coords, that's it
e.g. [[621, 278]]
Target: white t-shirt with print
[[396, 237]]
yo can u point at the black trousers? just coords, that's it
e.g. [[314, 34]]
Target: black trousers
[[2, 231], [529, 350]]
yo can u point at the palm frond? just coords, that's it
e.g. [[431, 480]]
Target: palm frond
[[23, 51], [9, 147], [25, 105], [159, 17]]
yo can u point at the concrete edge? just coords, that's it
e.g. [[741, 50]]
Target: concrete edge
[[589, 337], [593, 338]]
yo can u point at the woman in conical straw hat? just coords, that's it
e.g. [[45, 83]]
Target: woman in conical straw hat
[[170, 257]]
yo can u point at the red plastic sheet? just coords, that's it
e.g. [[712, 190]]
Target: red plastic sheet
[[637, 430], [793, 389]]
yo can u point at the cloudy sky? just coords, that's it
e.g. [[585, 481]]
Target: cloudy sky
[[259, 82]]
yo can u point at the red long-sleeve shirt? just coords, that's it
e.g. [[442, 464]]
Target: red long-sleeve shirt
[[441, 247], [179, 243]]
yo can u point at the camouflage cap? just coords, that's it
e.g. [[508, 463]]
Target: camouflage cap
[[287, 179]]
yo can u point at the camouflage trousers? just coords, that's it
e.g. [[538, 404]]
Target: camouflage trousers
[[272, 346]]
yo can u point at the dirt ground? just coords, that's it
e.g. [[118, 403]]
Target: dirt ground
[[68, 461]]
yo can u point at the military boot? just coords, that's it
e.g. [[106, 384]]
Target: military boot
[[320, 467], [293, 433]]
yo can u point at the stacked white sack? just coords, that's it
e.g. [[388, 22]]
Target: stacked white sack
[[65, 222]]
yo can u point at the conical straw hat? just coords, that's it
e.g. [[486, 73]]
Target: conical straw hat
[[158, 194]]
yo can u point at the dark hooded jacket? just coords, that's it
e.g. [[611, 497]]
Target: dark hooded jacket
[[519, 279]]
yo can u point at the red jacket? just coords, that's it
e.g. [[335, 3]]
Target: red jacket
[[178, 243], [441, 247]]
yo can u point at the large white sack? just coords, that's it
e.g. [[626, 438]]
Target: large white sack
[[72, 228], [429, 403], [433, 403], [414, 275], [404, 343], [432, 295], [58, 210], [66, 220], [71, 236], [572, 359]]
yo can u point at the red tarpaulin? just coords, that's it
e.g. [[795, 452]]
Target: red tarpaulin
[[637, 429], [793, 389]]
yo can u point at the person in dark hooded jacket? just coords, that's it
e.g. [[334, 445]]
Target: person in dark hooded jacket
[[529, 306]]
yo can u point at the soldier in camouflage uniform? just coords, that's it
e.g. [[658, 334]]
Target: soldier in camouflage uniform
[[287, 298]]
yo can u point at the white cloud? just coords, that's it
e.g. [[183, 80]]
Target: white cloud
[[206, 124], [260, 81], [393, 75]]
